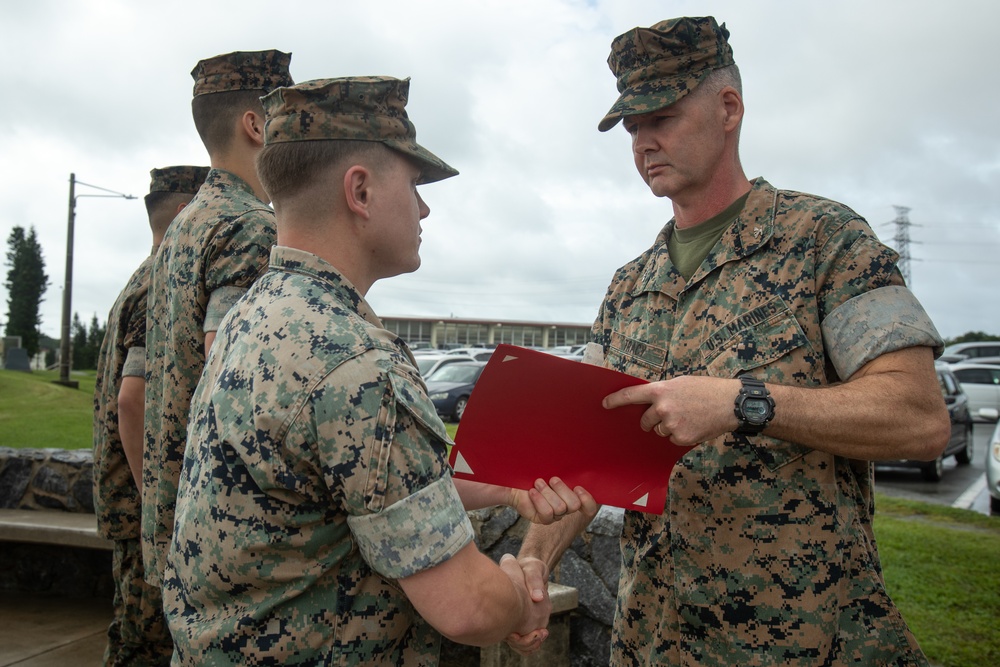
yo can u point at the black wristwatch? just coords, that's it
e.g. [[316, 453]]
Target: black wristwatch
[[754, 406]]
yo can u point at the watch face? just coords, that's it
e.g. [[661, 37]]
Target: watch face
[[756, 410]]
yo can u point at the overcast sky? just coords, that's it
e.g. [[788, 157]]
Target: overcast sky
[[873, 103]]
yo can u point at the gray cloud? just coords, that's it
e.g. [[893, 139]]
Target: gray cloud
[[873, 104]]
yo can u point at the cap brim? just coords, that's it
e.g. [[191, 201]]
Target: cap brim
[[648, 97], [432, 168]]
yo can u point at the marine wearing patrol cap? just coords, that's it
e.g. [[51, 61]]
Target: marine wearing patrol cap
[[242, 70], [184, 179], [368, 108], [659, 65]]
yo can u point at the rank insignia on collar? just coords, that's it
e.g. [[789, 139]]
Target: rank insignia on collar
[[758, 231]]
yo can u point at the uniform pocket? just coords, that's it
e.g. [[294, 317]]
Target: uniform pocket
[[767, 342], [756, 337], [405, 399]]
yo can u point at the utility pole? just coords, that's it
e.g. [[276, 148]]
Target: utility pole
[[65, 356]]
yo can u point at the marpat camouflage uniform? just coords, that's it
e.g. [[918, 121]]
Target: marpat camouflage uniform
[[212, 252], [138, 633], [314, 477], [765, 553]]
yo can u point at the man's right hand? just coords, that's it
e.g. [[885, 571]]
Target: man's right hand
[[529, 575]]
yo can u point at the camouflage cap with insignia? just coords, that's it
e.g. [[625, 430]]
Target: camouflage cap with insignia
[[242, 70], [184, 179], [367, 108], [659, 65]]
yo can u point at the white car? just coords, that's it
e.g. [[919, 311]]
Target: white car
[[970, 351], [993, 470], [428, 363], [982, 384], [477, 353]]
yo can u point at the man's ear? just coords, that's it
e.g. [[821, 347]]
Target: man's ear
[[180, 207], [732, 101], [357, 190], [252, 125]]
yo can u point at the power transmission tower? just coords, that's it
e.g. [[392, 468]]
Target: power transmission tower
[[902, 239]]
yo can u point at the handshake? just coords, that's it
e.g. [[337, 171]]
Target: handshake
[[510, 602]]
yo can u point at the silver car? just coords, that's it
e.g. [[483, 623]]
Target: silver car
[[993, 470], [981, 383]]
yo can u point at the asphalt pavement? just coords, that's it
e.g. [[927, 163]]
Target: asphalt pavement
[[962, 486]]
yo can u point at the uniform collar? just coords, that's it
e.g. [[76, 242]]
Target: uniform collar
[[294, 260], [220, 178], [752, 229]]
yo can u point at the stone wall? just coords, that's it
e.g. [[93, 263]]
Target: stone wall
[[51, 479], [591, 565], [55, 479]]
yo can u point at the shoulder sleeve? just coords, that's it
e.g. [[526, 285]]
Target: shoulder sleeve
[[850, 260], [384, 451], [219, 303], [240, 251], [866, 310]]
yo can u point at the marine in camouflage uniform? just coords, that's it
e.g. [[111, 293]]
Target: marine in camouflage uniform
[[765, 553], [211, 254], [315, 482], [138, 632]]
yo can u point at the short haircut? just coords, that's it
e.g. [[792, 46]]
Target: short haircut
[[720, 78], [157, 200], [215, 114], [287, 168]]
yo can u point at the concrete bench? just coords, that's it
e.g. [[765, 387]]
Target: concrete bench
[[555, 650], [71, 529]]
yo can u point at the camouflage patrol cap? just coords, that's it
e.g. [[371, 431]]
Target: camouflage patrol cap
[[242, 70], [183, 179], [367, 108], [659, 65]]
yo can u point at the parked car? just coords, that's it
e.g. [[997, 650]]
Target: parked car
[[992, 361], [429, 363], [477, 353], [961, 443], [993, 470], [566, 350], [970, 351], [449, 387], [982, 383]]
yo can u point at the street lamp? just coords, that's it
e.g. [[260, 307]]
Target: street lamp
[[64, 353]]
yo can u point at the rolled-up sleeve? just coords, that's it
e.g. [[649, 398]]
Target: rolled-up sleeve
[[871, 324], [414, 534]]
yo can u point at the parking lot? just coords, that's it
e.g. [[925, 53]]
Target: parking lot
[[962, 486]]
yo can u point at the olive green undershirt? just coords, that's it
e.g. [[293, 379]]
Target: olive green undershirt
[[689, 247]]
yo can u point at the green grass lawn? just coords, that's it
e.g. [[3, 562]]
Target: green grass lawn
[[942, 565], [942, 568], [35, 412]]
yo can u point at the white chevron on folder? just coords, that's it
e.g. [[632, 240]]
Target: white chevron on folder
[[462, 466]]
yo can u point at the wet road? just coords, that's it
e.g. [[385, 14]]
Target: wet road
[[962, 485]]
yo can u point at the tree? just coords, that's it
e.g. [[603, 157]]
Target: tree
[[86, 342], [78, 342], [972, 337], [26, 283]]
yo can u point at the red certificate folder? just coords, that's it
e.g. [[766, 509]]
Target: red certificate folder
[[534, 414]]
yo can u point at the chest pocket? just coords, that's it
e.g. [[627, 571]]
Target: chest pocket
[[766, 341], [766, 334]]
